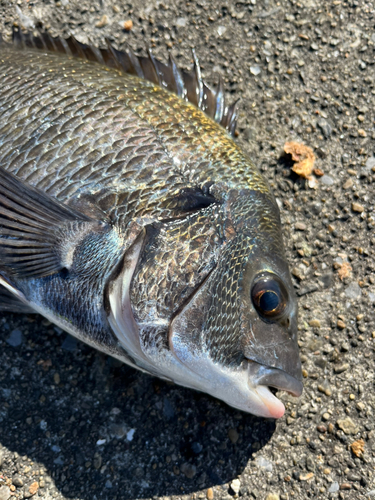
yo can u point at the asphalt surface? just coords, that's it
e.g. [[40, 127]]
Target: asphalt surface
[[75, 424]]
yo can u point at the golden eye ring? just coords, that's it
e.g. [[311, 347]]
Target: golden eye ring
[[269, 296]]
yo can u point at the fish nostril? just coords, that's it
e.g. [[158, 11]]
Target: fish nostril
[[285, 322]]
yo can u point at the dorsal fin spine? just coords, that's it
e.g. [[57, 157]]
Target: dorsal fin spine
[[187, 85]]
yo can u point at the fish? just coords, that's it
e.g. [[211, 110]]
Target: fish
[[130, 218]]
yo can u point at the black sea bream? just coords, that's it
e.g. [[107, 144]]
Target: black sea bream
[[130, 218]]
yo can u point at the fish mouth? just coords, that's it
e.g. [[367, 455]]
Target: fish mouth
[[264, 381]]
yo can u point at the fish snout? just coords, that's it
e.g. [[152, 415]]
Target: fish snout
[[274, 346]]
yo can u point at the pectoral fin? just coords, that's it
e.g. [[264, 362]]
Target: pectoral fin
[[37, 233], [10, 303]]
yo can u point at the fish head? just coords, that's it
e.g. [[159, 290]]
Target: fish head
[[238, 331], [212, 303]]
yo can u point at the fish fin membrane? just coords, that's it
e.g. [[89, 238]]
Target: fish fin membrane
[[10, 303], [190, 86], [32, 229]]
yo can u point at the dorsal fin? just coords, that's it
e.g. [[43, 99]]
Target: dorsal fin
[[188, 85]]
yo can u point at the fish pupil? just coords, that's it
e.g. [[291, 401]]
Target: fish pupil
[[269, 301]]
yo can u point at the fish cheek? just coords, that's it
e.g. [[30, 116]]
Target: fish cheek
[[185, 333]]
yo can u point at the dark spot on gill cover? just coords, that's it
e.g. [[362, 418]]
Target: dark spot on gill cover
[[194, 199]]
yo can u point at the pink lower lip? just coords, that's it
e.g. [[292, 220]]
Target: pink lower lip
[[274, 406]]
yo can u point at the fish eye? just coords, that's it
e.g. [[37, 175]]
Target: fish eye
[[269, 296]]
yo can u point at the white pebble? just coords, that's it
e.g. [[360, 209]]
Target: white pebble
[[255, 70], [353, 291], [181, 22], [235, 485], [334, 487], [130, 435], [264, 464]]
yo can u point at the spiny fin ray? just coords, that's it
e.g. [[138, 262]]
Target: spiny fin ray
[[188, 85]]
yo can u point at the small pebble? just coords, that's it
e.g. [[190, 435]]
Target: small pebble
[[318, 172], [17, 481], [327, 180], [300, 226], [181, 22], [334, 487], [189, 470], [315, 323], [103, 21], [298, 273], [347, 426], [341, 324], [354, 477], [345, 486], [306, 477], [272, 496], [360, 406], [128, 25], [358, 447], [5, 493], [255, 70], [345, 346], [15, 338], [33, 488], [357, 207], [348, 184], [325, 127], [263, 463], [342, 368], [353, 291], [235, 485], [233, 435], [210, 494], [221, 30], [97, 462], [325, 388]]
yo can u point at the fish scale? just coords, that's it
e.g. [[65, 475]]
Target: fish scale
[[130, 218]]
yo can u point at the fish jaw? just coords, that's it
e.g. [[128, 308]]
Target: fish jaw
[[245, 387]]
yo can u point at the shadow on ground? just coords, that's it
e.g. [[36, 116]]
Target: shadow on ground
[[98, 426]]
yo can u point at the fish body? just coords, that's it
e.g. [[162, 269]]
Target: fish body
[[132, 220]]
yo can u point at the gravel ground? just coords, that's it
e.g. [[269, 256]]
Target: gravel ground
[[75, 424]]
